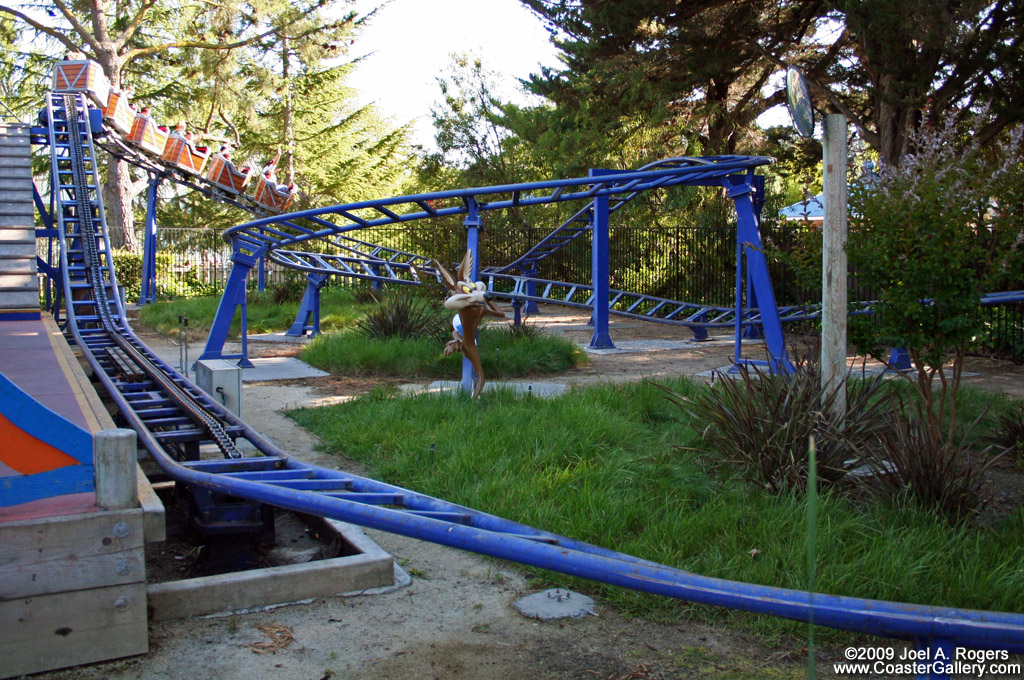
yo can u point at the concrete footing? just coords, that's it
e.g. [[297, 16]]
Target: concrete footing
[[369, 568]]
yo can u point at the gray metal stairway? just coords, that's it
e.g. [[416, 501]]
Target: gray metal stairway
[[19, 283]]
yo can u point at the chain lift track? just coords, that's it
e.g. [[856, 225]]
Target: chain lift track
[[85, 185], [267, 475]]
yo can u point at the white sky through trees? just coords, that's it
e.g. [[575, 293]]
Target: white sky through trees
[[410, 43]]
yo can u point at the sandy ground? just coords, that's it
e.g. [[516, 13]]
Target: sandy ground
[[456, 619]]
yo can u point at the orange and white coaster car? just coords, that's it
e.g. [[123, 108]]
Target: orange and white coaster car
[[270, 196], [82, 76], [183, 155], [117, 113], [146, 135], [222, 172]]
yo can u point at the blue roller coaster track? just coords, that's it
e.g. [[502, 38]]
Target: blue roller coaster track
[[196, 442]]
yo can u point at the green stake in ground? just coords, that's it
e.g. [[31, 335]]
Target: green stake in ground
[[467, 299]]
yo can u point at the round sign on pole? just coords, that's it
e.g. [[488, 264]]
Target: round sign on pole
[[798, 98]]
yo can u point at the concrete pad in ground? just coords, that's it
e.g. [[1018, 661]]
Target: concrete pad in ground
[[632, 346], [570, 326], [280, 337], [556, 603], [536, 389], [279, 368], [863, 371]]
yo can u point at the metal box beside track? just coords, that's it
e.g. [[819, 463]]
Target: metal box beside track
[[222, 380], [82, 76]]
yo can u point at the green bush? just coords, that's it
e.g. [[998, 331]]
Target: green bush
[[1009, 434], [128, 269], [932, 235], [288, 291], [501, 353]]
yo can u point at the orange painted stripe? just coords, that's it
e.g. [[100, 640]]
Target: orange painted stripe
[[27, 454]]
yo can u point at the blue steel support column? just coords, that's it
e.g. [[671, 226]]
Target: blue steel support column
[[233, 297], [51, 283], [261, 275], [755, 332], [899, 359], [473, 224], [308, 317], [737, 355], [700, 333], [147, 292], [530, 272], [748, 237], [378, 284], [600, 270]]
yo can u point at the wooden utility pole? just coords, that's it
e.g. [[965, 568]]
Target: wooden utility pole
[[833, 261]]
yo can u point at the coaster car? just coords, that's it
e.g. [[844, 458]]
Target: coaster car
[[180, 153], [271, 196], [146, 135], [222, 172], [118, 113], [73, 76]]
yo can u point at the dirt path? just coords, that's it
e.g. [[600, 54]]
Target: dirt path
[[456, 620]]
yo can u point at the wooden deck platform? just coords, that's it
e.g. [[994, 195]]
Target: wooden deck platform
[[72, 574]]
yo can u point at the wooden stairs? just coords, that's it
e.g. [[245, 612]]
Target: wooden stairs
[[19, 282]]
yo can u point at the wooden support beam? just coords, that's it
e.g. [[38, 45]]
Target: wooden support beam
[[115, 460]]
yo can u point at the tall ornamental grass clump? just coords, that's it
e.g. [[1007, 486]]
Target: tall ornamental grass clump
[[398, 315], [761, 424]]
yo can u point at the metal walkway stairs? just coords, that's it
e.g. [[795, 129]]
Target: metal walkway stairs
[[19, 283]]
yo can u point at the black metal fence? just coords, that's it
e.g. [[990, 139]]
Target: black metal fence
[[688, 263], [198, 261]]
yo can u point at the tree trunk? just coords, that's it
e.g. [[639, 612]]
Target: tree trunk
[[894, 122], [118, 195], [289, 123], [119, 190]]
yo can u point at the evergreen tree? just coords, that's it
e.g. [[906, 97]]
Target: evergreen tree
[[700, 71], [136, 35]]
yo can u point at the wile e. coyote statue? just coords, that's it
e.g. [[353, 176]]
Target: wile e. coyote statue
[[468, 301]]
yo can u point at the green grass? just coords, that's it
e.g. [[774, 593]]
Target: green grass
[[343, 349], [598, 465], [502, 355], [337, 311]]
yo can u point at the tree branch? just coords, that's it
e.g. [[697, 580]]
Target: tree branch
[[134, 24], [52, 32], [206, 45], [79, 27]]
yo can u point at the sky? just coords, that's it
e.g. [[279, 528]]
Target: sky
[[409, 43]]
